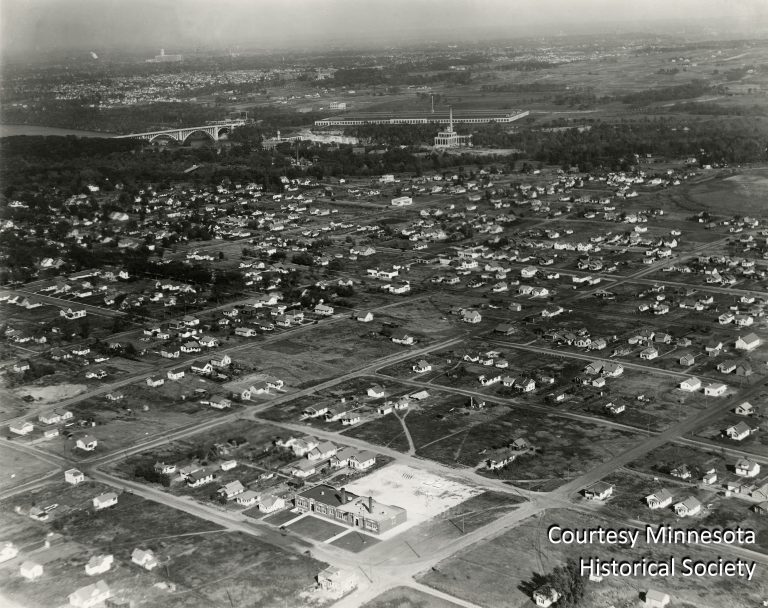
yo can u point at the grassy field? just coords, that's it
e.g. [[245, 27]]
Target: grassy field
[[449, 432], [355, 542], [498, 573], [315, 528], [405, 597], [20, 467]]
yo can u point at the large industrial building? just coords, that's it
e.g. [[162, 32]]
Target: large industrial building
[[386, 118], [348, 508]]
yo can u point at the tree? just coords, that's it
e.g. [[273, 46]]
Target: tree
[[567, 581]]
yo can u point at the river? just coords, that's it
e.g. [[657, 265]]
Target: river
[[9, 130]]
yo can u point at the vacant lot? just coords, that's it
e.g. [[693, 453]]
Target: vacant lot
[[20, 467]]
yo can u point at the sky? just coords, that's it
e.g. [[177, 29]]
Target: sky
[[27, 26]]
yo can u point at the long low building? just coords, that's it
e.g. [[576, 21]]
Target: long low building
[[385, 118], [348, 508]]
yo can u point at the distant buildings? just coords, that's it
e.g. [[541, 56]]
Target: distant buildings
[[163, 58]]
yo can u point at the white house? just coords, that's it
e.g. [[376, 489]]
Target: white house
[[598, 491], [690, 385], [31, 570], [745, 409], [422, 367], [87, 443], [659, 500], [271, 503], [22, 428], [247, 498], [99, 564], [90, 596], [748, 342], [738, 432], [688, 507], [144, 558], [103, 501], [747, 468], [715, 389], [73, 476]]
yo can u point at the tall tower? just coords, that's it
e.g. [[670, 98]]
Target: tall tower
[[450, 118]]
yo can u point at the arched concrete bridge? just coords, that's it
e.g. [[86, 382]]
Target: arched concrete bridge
[[214, 131]]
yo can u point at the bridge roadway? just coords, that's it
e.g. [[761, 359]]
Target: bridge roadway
[[214, 131]]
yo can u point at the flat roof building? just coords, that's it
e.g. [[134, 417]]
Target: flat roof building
[[357, 511]]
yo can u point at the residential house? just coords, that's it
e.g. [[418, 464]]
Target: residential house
[[21, 428], [199, 478], [99, 564], [230, 490], [73, 476], [400, 336], [302, 468], [87, 443], [659, 500], [745, 409], [247, 498], [31, 570], [598, 491], [655, 599], [690, 385], [748, 342], [422, 367], [738, 432], [145, 558], [175, 374], [246, 332], [105, 500], [376, 391], [688, 507], [221, 360], [155, 381], [90, 596], [271, 504], [715, 389], [747, 468], [546, 596], [471, 316], [228, 465]]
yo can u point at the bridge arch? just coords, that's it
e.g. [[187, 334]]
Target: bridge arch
[[161, 137], [206, 132]]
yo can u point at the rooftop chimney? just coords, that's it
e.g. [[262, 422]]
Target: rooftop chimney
[[343, 496], [370, 504]]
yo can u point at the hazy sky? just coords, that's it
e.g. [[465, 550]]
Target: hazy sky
[[29, 25]]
